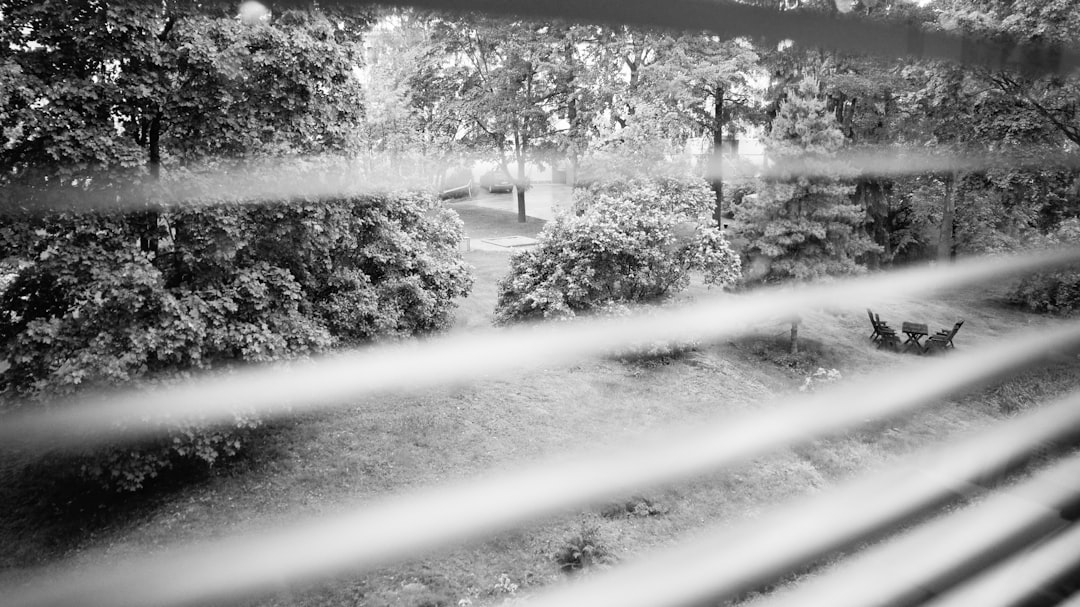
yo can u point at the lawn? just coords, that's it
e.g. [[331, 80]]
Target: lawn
[[313, 464], [481, 222], [475, 311]]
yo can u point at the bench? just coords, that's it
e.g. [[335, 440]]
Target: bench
[[943, 339]]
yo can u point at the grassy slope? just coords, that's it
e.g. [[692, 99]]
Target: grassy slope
[[311, 465]]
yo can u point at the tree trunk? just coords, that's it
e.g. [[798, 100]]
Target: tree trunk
[[862, 194], [873, 194], [633, 66], [154, 140], [716, 165], [520, 187], [148, 241], [948, 212], [572, 156], [571, 117]]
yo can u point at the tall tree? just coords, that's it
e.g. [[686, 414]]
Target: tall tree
[[803, 224], [864, 95], [501, 79], [943, 108], [711, 84], [410, 128], [1046, 26], [107, 93], [1023, 114], [635, 127]]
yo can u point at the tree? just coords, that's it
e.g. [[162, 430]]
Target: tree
[[864, 96], [637, 132], [1033, 118], [956, 112], [1046, 26], [709, 81], [500, 78], [185, 86], [408, 132], [177, 81], [580, 77], [803, 225]]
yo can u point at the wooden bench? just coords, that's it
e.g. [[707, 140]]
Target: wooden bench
[[943, 339], [884, 336]]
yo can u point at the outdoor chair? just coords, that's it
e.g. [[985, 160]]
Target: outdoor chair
[[884, 336], [943, 339]]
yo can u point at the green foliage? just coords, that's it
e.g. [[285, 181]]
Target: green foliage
[[123, 100], [229, 284], [1050, 292], [280, 87], [96, 96], [804, 227], [1005, 210], [629, 243], [1058, 291], [500, 94]]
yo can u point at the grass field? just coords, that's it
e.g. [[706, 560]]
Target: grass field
[[317, 462], [481, 222]]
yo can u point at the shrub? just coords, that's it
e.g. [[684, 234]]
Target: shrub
[[627, 242], [1054, 292], [637, 506], [583, 550], [1049, 292], [224, 285]]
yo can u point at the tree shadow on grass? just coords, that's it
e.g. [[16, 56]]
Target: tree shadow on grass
[[776, 349], [50, 509], [489, 223]]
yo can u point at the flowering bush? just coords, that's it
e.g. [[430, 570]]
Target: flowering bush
[[819, 378], [626, 243]]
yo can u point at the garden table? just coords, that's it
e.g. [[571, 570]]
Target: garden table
[[915, 332]]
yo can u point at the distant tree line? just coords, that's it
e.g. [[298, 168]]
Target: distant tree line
[[513, 91]]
